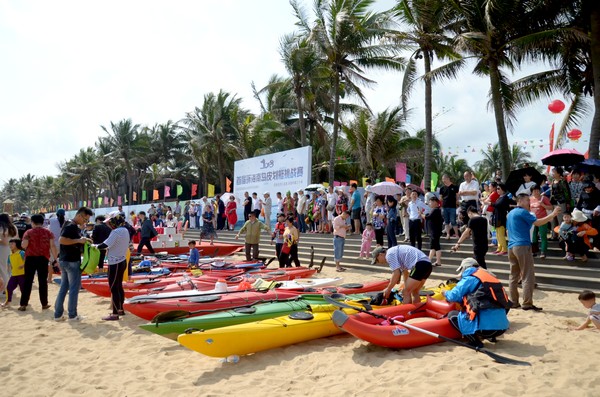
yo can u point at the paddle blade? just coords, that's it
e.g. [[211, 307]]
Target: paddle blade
[[503, 360], [169, 316]]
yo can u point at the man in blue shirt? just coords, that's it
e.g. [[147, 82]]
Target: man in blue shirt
[[356, 206], [520, 256]]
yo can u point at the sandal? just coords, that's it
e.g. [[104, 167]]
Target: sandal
[[120, 312], [437, 264], [111, 317], [341, 269]]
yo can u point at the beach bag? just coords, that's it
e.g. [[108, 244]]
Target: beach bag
[[91, 258]]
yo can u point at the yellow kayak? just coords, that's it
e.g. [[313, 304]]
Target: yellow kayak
[[265, 334]]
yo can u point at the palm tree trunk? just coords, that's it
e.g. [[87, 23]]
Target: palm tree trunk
[[499, 116], [428, 121], [595, 49], [336, 112], [301, 118]]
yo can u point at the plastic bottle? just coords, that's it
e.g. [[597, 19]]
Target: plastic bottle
[[494, 238], [231, 359], [221, 285]]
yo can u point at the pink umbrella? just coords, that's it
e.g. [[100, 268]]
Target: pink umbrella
[[561, 157]]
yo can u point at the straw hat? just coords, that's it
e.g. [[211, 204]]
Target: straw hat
[[578, 216]]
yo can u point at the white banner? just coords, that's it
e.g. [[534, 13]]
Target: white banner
[[276, 172]]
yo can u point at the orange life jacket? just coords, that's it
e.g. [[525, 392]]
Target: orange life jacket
[[490, 294]]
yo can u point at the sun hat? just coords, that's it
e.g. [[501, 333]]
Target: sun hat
[[578, 216], [465, 264], [375, 254], [266, 193]]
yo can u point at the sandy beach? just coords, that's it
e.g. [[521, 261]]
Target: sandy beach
[[40, 357]]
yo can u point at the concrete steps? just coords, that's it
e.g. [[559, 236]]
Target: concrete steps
[[553, 273]]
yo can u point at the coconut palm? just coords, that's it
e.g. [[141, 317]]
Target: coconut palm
[[492, 159], [450, 165], [123, 137], [427, 22], [346, 35]]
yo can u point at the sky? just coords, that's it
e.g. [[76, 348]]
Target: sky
[[69, 67]]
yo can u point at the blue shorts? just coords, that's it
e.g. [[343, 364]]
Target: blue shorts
[[449, 216], [338, 248]]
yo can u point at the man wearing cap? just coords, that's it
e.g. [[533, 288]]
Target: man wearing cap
[[267, 205], [408, 263], [252, 228], [23, 224], [518, 224], [485, 304]]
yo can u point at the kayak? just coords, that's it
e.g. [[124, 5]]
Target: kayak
[[205, 304], [172, 324], [206, 281], [373, 330], [205, 248], [299, 284], [252, 337]]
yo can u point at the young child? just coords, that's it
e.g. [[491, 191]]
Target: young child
[[194, 257], [435, 223], [16, 261], [565, 233], [367, 238], [588, 300], [277, 236]]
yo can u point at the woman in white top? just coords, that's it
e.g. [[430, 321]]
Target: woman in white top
[[525, 187], [7, 231], [117, 244]]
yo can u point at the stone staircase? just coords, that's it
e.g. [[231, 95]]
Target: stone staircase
[[552, 273]]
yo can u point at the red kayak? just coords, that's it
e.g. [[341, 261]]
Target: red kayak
[[378, 332], [206, 281], [221, 249], [205, 304]]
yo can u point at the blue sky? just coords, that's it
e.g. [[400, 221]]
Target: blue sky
[[69, 67]]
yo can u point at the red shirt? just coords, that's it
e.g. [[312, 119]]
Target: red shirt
[[39, 242], [492, 197]]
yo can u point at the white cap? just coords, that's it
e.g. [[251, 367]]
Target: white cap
[[465, 264], [266, 193]]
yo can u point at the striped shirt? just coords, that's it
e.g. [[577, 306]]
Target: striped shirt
[[118, 244], [404, 257]]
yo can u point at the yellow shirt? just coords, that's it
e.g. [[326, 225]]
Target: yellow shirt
[[17, 262]]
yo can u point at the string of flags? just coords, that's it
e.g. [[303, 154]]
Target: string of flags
[[525, 144]]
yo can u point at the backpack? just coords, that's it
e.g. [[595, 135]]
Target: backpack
[[91, 259]]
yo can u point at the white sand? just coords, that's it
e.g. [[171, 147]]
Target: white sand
[[40, 357]]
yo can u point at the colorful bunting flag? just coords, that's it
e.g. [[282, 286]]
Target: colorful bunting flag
[[134, 196], [179, 190], [194, 189], [388, 179], [118, 200], [211, 190], [228, 185], [144, 196], [434, 181], [364, 182], [401, 172], [167, 191], [155, 195]]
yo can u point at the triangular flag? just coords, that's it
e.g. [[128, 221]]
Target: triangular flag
[[155, 195], [211, 190], [228, 185], [179, 190], [194, 189], [167, 191]]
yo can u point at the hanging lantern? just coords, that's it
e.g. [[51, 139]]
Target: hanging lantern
[[556, 106], [574, 134]]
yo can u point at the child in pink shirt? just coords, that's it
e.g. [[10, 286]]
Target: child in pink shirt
[[367, 238]]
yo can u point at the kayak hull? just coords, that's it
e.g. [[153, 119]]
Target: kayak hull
[[371, 329]]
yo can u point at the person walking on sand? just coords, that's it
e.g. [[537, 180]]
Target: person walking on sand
[[252, 229], [71, 245], [38, 243], [8, 231], [340, 228], [520, 256], [147, 232], [477, 229]]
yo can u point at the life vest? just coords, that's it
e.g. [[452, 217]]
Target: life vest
[[489, 295]]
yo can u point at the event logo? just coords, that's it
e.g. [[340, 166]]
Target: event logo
[[400, 331]]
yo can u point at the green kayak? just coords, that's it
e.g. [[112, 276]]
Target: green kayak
[[171, 324]]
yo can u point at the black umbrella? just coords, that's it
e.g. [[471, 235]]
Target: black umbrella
[[515, 178], [590, 166], [563, 157]]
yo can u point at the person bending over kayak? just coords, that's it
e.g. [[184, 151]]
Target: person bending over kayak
[[485, 304], [406, 262]]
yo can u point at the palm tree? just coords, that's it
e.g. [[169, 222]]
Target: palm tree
[[492, 159], [215, 129], [123, 137], [378, 141], [427, 21], [346, 35], [451, 166]]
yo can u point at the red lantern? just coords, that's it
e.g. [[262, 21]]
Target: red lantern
[[574, 134], [556, 106]]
